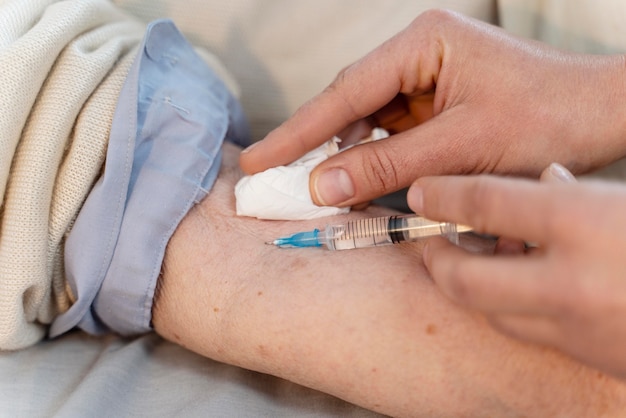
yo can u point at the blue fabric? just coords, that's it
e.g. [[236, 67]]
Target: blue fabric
[[164, 153]]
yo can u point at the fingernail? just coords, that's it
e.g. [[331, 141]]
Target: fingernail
[[250, 148], [415, 199], [333, 187], [561, 173], [556, 173]]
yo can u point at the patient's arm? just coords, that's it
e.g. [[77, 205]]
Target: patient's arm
[[367, 326]]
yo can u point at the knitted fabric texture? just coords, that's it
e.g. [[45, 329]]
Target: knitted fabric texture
[[63, 65]]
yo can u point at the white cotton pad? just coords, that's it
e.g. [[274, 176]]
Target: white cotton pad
[[282, 193]]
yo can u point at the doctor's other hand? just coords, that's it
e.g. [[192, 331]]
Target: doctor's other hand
[[501, 104], [569, 291]]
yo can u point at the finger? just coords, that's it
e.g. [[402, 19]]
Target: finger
[[404, 112], [514, 208], [349, 98], [375, 169], [361, 206], [532, 328], [357, 92], [399, 115], [554, 173], [355, 132], [503, 284]]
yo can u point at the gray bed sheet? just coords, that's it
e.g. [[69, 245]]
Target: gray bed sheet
[[82, 376]]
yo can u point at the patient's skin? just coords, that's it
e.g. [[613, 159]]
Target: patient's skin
[[367, 326]]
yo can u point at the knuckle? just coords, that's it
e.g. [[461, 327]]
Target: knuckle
[[379, 171], [340, 79], [343, 90], [434, 17]]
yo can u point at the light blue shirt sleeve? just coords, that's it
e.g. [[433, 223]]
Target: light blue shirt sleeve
[[164, 154]]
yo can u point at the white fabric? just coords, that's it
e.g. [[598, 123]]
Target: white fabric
[[283, 192], [82, 376]]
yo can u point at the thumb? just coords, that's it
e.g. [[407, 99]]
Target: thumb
[[371, 170]]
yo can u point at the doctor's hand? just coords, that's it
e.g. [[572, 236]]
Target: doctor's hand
[[569, 292], [501, 104]]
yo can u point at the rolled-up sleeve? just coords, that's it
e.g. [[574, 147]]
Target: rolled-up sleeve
[[172, 117]]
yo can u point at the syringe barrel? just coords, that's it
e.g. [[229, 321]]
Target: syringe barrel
[[371, 232], [359, 233]]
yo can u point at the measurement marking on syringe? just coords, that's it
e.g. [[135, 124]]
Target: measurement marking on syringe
[[364, 233]]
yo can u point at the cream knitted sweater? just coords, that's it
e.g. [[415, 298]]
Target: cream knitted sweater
[[62, 65]]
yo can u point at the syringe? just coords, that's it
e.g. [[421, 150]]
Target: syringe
[[372, 232]]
